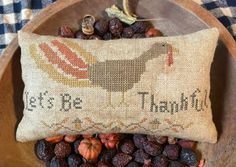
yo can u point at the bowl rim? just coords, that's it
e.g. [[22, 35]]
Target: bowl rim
[[55, 7]]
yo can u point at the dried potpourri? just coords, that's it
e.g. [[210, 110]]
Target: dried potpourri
[[118, 150]]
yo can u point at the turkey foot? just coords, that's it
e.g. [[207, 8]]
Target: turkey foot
[[123, 102], [109, 104]]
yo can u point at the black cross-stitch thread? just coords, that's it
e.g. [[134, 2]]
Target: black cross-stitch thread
[[183, 102], [163, 106], [143, 98]]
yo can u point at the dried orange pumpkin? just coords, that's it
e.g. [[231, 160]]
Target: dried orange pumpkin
[[109, 140], [54, 139], [90, 148]]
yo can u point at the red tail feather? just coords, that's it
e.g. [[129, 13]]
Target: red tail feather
[[71, 56], [67, 68]]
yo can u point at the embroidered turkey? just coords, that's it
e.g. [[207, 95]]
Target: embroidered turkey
[[85, 70]]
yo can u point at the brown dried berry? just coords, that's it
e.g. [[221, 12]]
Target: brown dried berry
[[158, 139], [107, 36], [107, 154], [148, 163], [140, 26], [139, 139], [115, 27], [74, 160], [80, 35], [95, 37], [160, 161], [152, 148], [153, 32], [187, 143], [139, 36], [140, 156], [176, 164], [44, 150], [121, 160], [101, 27], [55, 162], [103, 164], [134, 164], [128, 32], [62, 149], [172, 151], [65, 31], [127, 147]]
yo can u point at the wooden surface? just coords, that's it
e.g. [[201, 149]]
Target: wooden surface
[[174, 20]]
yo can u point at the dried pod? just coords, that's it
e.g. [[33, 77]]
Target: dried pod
[[87, 24]]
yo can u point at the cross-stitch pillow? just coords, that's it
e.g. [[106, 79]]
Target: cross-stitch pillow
[[158, 85]]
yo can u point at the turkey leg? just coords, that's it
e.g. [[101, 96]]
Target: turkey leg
[[123, 102], [109, 105]]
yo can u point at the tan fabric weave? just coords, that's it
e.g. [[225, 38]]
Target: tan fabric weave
[[127, 85]]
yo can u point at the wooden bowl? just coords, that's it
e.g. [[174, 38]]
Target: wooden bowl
[[175, 17]]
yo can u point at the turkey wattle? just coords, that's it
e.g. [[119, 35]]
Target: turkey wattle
[[111, 75]]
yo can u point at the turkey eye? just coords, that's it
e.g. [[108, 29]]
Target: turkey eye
[[163, 45]]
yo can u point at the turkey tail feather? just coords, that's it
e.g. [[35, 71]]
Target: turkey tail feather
[[71, 56], [65, 67]]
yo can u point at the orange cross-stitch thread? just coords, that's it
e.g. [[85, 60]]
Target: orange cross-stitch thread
[[71, 56], [67, 68]]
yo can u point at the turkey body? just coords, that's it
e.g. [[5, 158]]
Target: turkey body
[[121, 75], [116, 75]]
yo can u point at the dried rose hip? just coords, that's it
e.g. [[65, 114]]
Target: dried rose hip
[[148, 163], [152, 32], [70, 138], [103, 164], [139, 139], [160, 161], [80, 35], [56, 162], [65, 31], [101, 27], [172, 151], [62, 149], [152, 148], [134, 164], [140, 26], [115, 27], [121, 160], [128, 32], [74, 160], [107, 154], [127, 147], [44, 150], [140, 156], [187, 156]]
